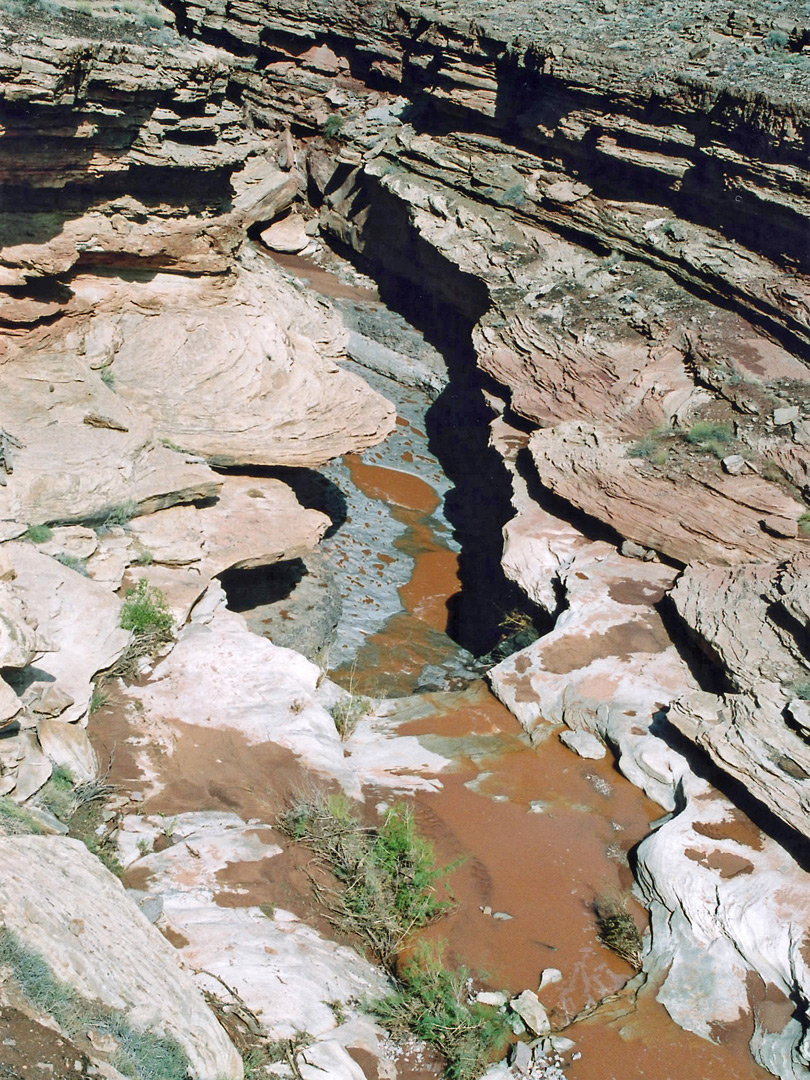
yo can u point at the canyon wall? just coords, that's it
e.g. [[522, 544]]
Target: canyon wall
[[613, 208]]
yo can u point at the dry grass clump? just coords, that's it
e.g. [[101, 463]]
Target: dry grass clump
[[616, 929]]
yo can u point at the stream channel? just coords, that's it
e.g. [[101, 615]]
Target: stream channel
[[538, 832]]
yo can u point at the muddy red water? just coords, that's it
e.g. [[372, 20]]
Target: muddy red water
[[539, 834]]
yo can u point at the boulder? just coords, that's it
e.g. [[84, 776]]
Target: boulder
[[60, 901], [531, 1012], [287, 236], [583, 743]]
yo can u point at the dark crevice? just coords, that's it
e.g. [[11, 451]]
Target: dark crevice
[[704, 665]]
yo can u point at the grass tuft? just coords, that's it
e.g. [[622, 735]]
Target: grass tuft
[[38, 534], [140, 1055], [651, 446], [711, 436], [16, 821], [333, 125], [72, 562], [348, 712], [121, 514]]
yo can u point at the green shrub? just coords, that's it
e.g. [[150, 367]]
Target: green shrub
[[802, 690], [16, 821], [651, 447], [122, 514], [348, 712], [804, 523], [434, 1004], [777, 39], [387, 874], [38, 534], [514, 195], [333, 125], [107, 377], [57, 794], [144, 612], [711, 436]]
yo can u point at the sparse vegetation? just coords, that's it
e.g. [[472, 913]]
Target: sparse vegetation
[[711, 436], [348, 712], [121, 514], [388, 888], [616, 929], [802, 690], [140, 1055], [515, 195], [804, 523], [72, 562], [38, 534], [652, 446], [57, 794], [387, 873], [99, 697], [144, 557], [434, 1004], [107, 377], [16, 820]]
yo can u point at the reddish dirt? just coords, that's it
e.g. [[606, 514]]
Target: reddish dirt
[[30, 1051], [322, 281]]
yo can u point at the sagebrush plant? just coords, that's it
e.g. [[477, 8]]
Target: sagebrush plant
[[140, 1055]]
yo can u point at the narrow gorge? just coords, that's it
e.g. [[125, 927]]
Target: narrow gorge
[[404, 433]]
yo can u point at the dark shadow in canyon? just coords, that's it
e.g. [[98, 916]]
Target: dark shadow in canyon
[[443, 304], [248, 589]]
